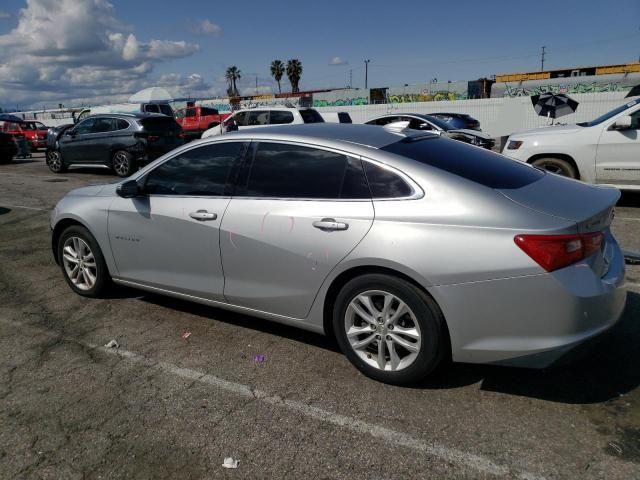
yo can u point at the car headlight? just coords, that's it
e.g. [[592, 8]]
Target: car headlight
[[514, 144]]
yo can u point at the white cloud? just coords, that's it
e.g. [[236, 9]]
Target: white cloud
[[4, 15], [207, 27], [338, 61], [261, 90], [76, 49]]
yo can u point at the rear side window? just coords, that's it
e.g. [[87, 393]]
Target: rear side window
[[190, 112], [121, 124], [386, 184], [166, 109], [159, 124], [344, 117], [309, 115], [202, 171], [280, 117], [291, 171], [472, 163]]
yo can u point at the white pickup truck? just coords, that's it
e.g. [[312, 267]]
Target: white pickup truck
[[605, 150]]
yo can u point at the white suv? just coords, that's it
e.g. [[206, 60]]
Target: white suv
[[263, 117], [605, 150]]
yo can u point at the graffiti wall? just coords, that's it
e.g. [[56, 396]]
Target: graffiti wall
[[429, 92], [341, 98], [568, 85]]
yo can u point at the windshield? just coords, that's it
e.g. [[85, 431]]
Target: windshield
[[608, 115]]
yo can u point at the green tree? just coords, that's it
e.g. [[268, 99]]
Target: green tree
[[294, 72], [232, 75], [277, 71]]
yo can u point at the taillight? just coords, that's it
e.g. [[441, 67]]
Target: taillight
[[552, 252], [153, 138]]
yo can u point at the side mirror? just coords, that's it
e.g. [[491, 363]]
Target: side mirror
[[128, 189], [623, 123]]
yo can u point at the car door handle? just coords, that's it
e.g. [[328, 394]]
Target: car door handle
[[330, 224], [203, 215]]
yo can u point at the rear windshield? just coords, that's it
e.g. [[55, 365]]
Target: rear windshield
[[472, 163], [159, 123], [311, 116]]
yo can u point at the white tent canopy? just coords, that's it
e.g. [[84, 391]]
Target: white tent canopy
[[151, 95]]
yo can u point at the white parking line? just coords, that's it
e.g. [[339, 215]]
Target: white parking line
[[25, 207], [628, 219], [455, 456]]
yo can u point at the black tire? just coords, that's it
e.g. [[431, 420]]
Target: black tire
[[6, 159], [123, 163], [102, 282], [556, 165], [427, 314], [55, 162]]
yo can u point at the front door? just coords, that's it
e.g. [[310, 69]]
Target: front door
[[169, 238], [75, 143], [297, 212], [618, 153]]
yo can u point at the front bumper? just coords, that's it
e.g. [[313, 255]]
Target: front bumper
[[532, 321]]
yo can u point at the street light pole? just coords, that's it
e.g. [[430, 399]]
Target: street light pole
[[366, 72]]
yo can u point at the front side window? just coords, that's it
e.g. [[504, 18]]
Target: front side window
[[258, 118], [201, 171], [85, 126], [190, 112], [292, 171], [240, 118], [280, 117]]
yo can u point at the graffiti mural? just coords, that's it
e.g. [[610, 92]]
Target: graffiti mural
[[340, 102], [590, 87], [438, 96]]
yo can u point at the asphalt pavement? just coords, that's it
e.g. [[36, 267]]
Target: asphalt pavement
[[190, 385]]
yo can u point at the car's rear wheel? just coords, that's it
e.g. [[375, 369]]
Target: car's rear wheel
[[82, 263], [55, 162], [123, 163], [389, 329], [556, 165]]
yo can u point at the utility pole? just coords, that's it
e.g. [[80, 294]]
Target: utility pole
[[366, 72], [542, 60], [351, 78]]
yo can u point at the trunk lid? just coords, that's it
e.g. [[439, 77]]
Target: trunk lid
[[589, 206]]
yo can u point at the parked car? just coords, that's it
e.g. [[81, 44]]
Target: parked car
[[264, 117], [34, 132], [122, 142], [458, 120], [163, 108], [336, 117], [196, 120], [8, 148], [406, 248], [428, 123], [605, 150]]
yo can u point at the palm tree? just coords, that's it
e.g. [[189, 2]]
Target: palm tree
[[294, 72], [277, 71], [232, 74]]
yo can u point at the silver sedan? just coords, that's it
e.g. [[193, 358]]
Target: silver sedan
[[408, 248]]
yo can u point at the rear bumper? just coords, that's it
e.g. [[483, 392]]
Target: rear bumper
[[532, 321]]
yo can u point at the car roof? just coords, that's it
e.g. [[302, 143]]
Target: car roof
[[372, 136], [138, 115], [273, 107]]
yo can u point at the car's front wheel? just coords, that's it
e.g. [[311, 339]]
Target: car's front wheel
[[82, 263], [55, 162], [123, 163], [389, 329], [556, 165]]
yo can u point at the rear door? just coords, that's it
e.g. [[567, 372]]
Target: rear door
[[618, 154], [297, 212], [169, 238]]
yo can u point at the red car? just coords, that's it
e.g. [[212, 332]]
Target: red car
[[34, 132], [195, 120]]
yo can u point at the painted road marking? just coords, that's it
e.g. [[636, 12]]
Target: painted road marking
[[26, 208], [458, 457]]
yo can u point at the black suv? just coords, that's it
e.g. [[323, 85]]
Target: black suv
[[122, 142], [8, 147]]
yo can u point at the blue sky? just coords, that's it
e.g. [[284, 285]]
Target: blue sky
[[407, 42]]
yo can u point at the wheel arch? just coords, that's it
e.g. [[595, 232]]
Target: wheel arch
[[61, 226], [561, 156], [344, 277]]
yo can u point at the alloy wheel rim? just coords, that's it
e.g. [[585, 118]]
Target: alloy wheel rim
[[553, 168], [121, 163], [54, 161], [382, 330], [79, 263]]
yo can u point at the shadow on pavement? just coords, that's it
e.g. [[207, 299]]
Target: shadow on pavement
[[629, 199], [4, 210]]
